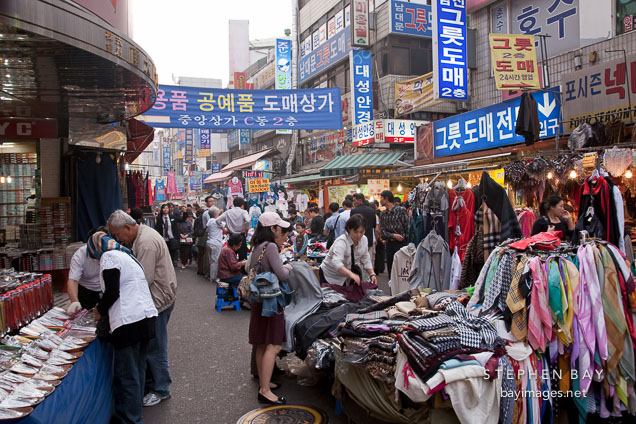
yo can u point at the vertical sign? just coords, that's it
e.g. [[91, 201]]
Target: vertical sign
[[331, 27], [204, 146], [283, 70], [361, 84], [360, 24], [499, 18], [450, 73], [514, 60], [189, 146], [240, 80], [167, 160]]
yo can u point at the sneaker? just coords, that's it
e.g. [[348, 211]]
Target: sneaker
[[152, 399]]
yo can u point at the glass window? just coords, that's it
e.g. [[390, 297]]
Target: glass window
[[400, 61]]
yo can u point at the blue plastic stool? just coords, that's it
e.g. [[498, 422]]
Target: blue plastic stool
[[222, 291]]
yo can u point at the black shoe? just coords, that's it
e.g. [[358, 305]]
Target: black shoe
[[279, 401]]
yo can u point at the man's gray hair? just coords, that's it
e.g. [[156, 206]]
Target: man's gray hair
[[214, 212], [119, 219]]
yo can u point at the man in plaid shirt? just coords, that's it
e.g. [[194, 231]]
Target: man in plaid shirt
[[230, 268], [394, 226]]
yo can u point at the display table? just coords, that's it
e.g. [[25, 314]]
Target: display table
[[85, 394]]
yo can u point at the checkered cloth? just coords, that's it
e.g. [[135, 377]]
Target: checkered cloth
[[500, 285], [434, 323], [492, 230], [473, 332], [516, 302], [508, 384], [357, 320]]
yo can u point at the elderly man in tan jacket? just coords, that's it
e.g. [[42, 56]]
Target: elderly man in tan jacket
[[152, 252]]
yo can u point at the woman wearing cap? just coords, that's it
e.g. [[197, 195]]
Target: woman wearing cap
[[186, 230], [130, 311], [267, 334]]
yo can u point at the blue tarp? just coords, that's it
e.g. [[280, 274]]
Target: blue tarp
[[85, 394]]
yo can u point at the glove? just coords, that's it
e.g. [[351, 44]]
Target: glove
[[73, 308]]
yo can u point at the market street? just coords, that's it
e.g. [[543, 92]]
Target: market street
[[209, 363]]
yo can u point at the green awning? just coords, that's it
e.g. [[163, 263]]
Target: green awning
[[304, 178], [349, 164]]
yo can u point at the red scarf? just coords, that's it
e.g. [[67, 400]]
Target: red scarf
[[600, 188]]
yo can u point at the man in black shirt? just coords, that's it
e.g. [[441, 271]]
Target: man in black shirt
[[359, 208]]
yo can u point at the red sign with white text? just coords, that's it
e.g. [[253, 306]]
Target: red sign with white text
[[28, 128]]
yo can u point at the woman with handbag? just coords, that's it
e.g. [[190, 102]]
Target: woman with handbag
[[186, 231], [267, 333], [341, 268]]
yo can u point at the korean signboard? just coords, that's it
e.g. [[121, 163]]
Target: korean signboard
[[325, 57], [361, 86], [411, 18], [514, 60], [331, 27], [233, 139], [196, 182], [180, 184], [167, 159], [328, 146], [253, 174], [240, 80], [266, 76], [191, 107], [384, 131], [450, 73], [360, 25], [340, 24], [414, 95], [599, 92], [499, 18], [625, 16], [258, 185], [492, 126], [557, 18], [215, 167], [245, 138], [375, 187], [204, 142], [305, 46], [189, 146], [283, 64]]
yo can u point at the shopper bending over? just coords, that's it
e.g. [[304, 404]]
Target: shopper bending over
[[83, 285], [341, 270], [555, 218], [131, 316], [267, 334]]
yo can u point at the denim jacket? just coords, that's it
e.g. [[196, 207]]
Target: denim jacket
[[267, 289]]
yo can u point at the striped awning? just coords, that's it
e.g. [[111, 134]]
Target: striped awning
[[349, 164], [302, 179]]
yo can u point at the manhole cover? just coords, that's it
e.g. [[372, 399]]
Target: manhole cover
[[285, 414]]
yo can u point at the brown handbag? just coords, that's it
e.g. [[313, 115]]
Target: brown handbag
[[243, 288]]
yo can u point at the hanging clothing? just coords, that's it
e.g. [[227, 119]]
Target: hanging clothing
[[496, 197], [402, 264], [302, 200], [598, 193], [528, 119], [234, 188], [432, 264], [526, 221], [435, 210], [461, 221], [160, 190]]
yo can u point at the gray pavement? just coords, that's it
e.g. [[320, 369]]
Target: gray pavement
[[209, 363]]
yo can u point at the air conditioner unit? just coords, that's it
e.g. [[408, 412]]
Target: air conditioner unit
[[463, 106]]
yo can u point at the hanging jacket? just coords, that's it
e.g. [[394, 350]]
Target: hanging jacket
[[306, 299], [528, 119], [461, 221], [497, 200], [402, 263], [432, 264], [581, 137]]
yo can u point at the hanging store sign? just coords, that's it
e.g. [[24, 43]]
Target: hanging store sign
[[360, 24], [253, 174], [557, 19], [325, 57], [189, 145], [283, 64], [375, 187], [414, 95], [258, 185], [492, 126], [599, 92], [167, 159], [514, 61], [193, 107], [362, 84], [196, 182], [384, 131], [499, 18], [204, 142], [450, 73], [411, 18], [240, 80], [215, 167], [266, 76]]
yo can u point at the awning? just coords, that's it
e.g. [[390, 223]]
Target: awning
[[304, 178], [245, 161], [448, 166], [219, 176], [349, 164], [139, 136]]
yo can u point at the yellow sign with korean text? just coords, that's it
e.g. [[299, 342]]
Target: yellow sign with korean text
[[258, 185], [414, 95], [514, 61], [498, 176]]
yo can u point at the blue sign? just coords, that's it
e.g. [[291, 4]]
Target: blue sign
[[167, 159], [411, 19], [450, 72], [196, 182], [492, 126], [283, 64], [189, 145], [233, 139], [245, 137], [215, 167], [191, 107], [204, 139], [327, 55], [362, 86]]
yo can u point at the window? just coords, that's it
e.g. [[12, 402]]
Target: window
[[400, 60], [421, 62]]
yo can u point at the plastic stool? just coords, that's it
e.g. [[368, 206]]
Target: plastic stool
[[222, 290]]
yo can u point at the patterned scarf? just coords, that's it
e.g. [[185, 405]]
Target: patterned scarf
[[101, 242]]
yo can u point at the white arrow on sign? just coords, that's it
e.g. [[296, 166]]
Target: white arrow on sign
[[548, 106]]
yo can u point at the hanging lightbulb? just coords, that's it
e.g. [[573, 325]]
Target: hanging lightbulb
[[9, 179], [469, 185], [573, 174], [628, 174], [400, 188], [358, 190], [449, 183], [2, 179], [550, 175]]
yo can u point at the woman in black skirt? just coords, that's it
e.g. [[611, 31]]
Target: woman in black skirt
[[267, 334]]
